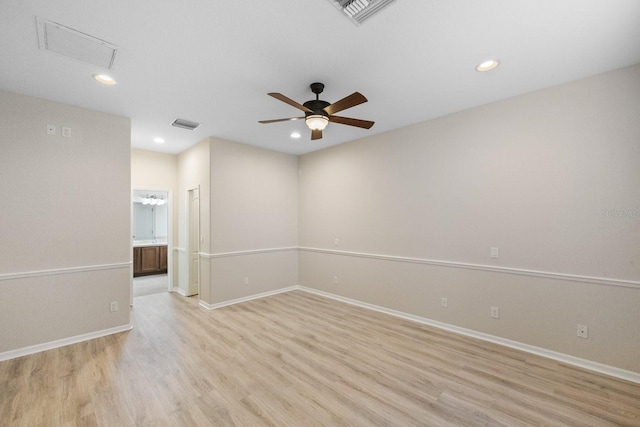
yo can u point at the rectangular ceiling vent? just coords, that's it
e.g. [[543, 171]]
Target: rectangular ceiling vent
[[71, 43], [359, 11], [185, 124]]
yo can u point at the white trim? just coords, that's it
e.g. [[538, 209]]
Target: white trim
[[451, 264], [549, 354], [68, 270], [248, 252], [179, 290], [190, 275], [491, 268], [248, 298], [12, 354]]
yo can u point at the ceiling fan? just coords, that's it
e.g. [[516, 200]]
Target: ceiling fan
[[318, 113]]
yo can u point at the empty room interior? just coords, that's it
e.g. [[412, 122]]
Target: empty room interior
[[323, 212]]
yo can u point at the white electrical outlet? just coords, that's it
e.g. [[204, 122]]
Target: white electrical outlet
[[66, 132], [444, 303], [113, 306], [246, 280], [583, 331], [495, 253], [335, 280], [51, 129], [495, 312]]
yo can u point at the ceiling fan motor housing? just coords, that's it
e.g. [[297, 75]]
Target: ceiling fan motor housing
[[317, 106]]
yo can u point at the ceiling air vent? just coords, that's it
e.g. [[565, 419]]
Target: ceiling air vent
[[71, 43], [185, 124], [360, 10]]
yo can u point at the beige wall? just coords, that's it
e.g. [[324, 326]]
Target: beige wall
[[253, 220], [159, 171], [248, 207], [64, 222], [253, 198], [539, 176]]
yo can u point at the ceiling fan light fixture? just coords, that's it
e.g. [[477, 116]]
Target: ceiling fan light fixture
[[317, 121]]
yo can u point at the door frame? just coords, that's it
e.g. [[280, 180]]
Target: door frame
[[190, 273]]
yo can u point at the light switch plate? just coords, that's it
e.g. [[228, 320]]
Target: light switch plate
[[495, 312], [495, 253]]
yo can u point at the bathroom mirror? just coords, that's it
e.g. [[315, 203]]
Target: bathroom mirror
[[150, 216]]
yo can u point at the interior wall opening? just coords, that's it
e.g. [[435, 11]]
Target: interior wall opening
[[151, 241]]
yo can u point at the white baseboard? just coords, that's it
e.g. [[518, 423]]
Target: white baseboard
[[247, 298], [179, 291], [560, 357], [549, 354], [12, 354]]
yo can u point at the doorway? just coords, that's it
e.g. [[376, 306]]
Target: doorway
[[151, 241]]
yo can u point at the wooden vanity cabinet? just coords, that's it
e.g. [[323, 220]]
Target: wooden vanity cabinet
[[149, 260], [163, 259]]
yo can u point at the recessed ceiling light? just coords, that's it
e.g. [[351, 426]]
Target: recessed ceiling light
[[295, 135], [104, 79], [488, 65], [158, 140]]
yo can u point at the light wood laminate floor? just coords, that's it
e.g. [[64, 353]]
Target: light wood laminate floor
[[297, 359], [147, 285]]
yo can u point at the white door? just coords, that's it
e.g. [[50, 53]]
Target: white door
[[194, 242]]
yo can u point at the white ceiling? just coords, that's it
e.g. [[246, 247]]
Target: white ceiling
[[214, 61]]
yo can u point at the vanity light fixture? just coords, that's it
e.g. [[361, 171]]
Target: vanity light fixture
[[488, 65], [105, 79], [153, 201]]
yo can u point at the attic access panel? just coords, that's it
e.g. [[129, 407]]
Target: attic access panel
[[65, 41], [360, 10]]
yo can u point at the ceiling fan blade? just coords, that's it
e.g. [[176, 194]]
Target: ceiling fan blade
[[356, 98], [316, 134], [366, 124], [290, 101], [279, 120]]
